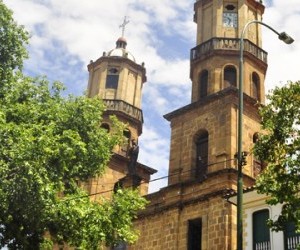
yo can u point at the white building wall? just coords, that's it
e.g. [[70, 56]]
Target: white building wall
[[254, 202]]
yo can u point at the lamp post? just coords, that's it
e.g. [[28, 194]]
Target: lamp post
[[240, 154]]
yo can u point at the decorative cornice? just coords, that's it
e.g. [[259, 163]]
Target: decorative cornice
[[248, 100], [156, 208], [180, 203]]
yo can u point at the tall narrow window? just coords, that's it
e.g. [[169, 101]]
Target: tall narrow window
[[126, 136], [257, 164], [291, 238], [230, 76], [261, 231], [194, 234], [203, 83], [201, 155], [112, 78], [255, 86]]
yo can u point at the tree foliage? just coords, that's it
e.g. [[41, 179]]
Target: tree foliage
[[49, 144], [13, 39], [280, 149]]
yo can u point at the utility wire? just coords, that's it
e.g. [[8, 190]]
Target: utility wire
[[156, 179]]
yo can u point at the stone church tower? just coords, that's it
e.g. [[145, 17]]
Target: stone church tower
[[118, 80], [191, 212]]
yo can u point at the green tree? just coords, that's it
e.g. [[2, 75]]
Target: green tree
[[49, 144], [279, 147], [13, 39]]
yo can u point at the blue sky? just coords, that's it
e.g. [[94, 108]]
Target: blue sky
[[67, 34]]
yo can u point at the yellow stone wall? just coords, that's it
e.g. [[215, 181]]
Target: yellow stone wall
[[164, 225], [215, 66], [219, 118]]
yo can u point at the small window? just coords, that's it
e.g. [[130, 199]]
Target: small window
[[230, 7], [255, 86], [255, 137], [230, 76], [203, 83], [112, 78], [126, 144], [194, 234], [105, 126], [261, 231], [120, 246]]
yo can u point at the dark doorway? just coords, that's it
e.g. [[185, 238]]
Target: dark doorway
[[194, 234]]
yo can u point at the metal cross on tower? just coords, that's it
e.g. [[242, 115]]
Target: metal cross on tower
[[125, 22]]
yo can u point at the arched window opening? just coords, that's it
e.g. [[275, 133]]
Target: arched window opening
[[112, 78], [201, 155], [126, 142], [255, 86], [105, 126], [255, 137], [260, 230], [120, 246], [257, 164], [230, 76], [203, 83], [291, 237]]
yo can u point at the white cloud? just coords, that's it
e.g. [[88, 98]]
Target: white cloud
[[29, 13], [283, 59], [154, 152], [174, 72]]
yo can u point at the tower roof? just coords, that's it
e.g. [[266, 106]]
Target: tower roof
[[120, 50]]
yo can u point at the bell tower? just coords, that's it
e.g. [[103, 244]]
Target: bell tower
[[215, 58], [118, 80], [204, 133], [191, 212]]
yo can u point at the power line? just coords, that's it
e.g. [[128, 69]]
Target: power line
[[156, 179]]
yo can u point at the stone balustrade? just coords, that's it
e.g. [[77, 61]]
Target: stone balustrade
[[215, 44]]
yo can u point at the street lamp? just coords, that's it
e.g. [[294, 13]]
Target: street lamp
[[240, 154]]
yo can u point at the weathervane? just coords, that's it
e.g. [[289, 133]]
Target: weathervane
[[125, 22]]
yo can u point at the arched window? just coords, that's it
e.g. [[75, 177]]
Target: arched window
[[230, 76], [126, 143], [257, 164], [260, 230], [105, 126], [112, 78], [255, 137], [120, 246], [203, 83], [201, 155], [291, 237], [255, 86]]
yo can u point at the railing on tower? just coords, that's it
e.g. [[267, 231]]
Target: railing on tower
[[223, 43], [119, 105]]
